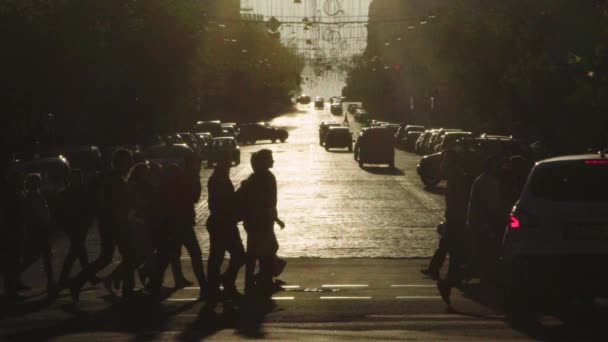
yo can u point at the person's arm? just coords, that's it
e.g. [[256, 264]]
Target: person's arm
[[273, 202]]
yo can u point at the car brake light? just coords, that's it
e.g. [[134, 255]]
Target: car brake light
[[597, 162], [514, 224]]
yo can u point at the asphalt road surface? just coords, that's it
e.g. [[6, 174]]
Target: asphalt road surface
[[355, 241]]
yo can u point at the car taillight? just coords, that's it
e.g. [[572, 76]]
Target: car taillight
[[514, 223]]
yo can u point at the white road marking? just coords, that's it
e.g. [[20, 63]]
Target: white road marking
[[414, 285], [418, 297], [283, 298], [287, 287], [344, 297], [344, 285], [182, 299]]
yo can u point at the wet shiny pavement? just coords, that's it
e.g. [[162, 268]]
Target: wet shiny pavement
[[353, 238], [333, 208]]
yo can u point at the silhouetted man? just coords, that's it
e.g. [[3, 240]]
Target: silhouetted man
[[11, 234], [460, 178], [113, 217], [76, 213], [258, 198], [223, 232], [182, 190]]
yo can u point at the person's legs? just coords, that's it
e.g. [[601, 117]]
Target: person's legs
[[47, 257], [438, 258], [234, 246], [264, 284], [190, 241], [216, 257], [250, 273], [108, 245]]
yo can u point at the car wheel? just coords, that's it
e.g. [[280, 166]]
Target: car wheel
[[517, 299], [360, 164], [326, 148], [430, 181], [274, 140], [283, 140], [350, 148], [391, 165]]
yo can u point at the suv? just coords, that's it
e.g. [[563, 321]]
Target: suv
[[224, 145], [251, 133], [303, 99], [213, 127], [557, 240], [339, 137], [336, 109], [324, 128], [319, 103], [375, 146]]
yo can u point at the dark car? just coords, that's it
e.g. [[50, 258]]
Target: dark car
[[303, 99], [336, 109], [204, 143], [224, 146], [190, 140], [324, 128], [403, 131], [339, 137], [375, 146], [319, 103], [175, 154], [212, 127], [230, 130], [478, 149], [352, 108], [362, 116], [87, 158], [253, 132], [409, 141]]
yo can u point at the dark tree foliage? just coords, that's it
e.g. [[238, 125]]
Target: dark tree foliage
[[537, 69], [114, 70]]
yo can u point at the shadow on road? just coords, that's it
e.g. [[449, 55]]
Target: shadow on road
[[247, 320], [383, 171], [568, 324]]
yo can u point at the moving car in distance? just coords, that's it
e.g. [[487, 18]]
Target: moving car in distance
[[375, 146], [213, 127], [253, 132], [362, 116], [303, 99], [336, 109], [319, 103], [555, 247], [339, 137], [224, 146], [324, 128]]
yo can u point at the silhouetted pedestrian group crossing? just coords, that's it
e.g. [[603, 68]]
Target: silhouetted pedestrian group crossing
[[146, 212]]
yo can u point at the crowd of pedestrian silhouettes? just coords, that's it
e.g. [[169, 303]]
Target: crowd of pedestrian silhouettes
[[479, 197], [146, 212]]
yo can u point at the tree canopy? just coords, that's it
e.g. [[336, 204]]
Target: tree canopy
[[110, 70], [537, 69]]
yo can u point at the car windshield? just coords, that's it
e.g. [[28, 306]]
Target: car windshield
[[574, 182], [223, 143]]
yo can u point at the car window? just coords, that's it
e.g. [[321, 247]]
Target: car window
[[571, 183]]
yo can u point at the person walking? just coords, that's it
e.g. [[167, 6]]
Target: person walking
[[258, 198], [113, 217], [76, 214], [457, 169], [37, 221], [181, 192], [224, 235]]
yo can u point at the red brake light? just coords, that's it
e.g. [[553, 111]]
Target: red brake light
[[514, 224], [597, 162]]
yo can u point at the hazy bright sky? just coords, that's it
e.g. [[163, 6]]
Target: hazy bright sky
[[324, 42]]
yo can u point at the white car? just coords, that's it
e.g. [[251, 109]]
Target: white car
[[556, 244]]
